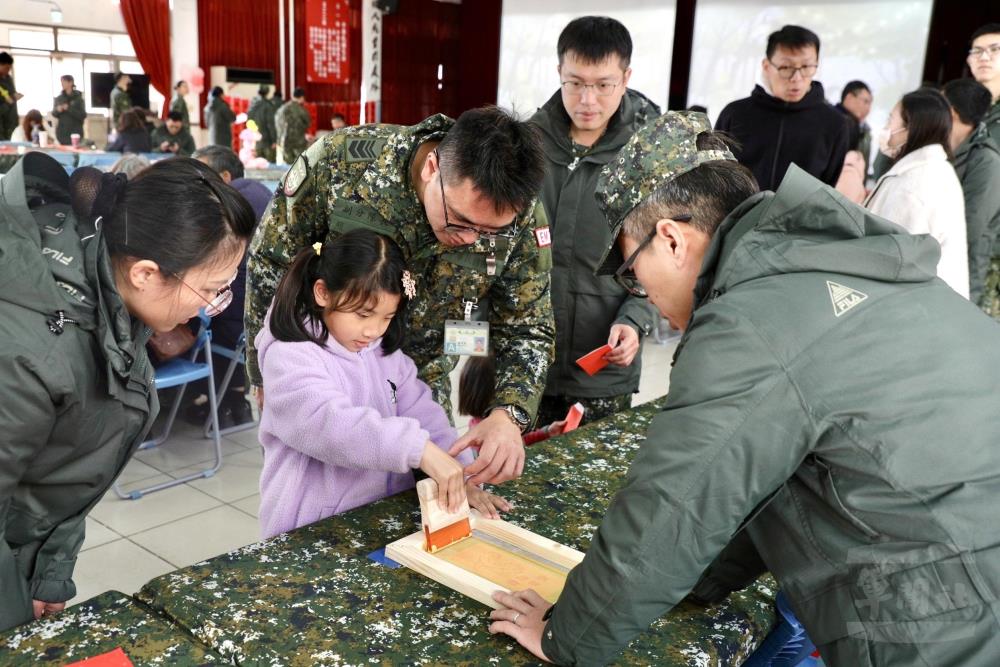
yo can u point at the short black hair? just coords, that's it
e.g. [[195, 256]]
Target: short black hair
[[216, 92], [221, 158], [709, 192], [927, 117], [970, 99], [179, 84], [988, 29], [263, 91], [355, 267], [176, 115], [793, 37], [594, 39], [477, 386], [6, 58], [500, 154], [852, 88], [338, 115], [299, 92], [699, 108], [119, 75]]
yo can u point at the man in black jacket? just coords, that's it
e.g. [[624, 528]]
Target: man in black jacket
[[789, 120]]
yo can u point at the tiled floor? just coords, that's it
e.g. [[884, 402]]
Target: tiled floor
[[130, 542]]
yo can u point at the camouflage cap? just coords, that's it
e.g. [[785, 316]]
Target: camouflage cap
[[659, 151]]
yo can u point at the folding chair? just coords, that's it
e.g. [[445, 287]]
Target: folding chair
[[178, 373], [236, 357]]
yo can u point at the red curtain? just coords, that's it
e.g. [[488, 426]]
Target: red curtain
[[148, 25]]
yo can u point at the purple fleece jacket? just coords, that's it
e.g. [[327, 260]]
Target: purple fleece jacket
[[336, 435]]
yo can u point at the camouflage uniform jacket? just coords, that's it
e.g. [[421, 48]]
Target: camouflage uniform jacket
[[180, 106], [70, 120], [360, 178], [977, 163], [291, 123], [120, 103], [8, 107], [262, 113]]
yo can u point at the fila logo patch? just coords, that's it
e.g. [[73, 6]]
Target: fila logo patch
[[543, 237], [844, 298]]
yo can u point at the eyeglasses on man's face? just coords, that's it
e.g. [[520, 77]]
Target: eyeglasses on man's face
[[991, 51], [508, 231], [602, 89], [788, 71], [625, 275]]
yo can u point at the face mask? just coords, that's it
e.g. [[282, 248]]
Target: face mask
[[883, 142]]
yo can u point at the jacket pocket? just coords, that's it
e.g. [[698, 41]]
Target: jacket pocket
[[833, 497]]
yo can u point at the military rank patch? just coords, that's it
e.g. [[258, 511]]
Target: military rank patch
[[296, 176], [543, 237], [362, 149]]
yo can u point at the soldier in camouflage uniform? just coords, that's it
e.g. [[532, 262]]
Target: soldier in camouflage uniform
[[484, 255], [8, 97], [179, 105], [262, 113], [120, 99], [291, 123]]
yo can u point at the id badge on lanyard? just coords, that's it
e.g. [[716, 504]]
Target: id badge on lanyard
[[468, 336]]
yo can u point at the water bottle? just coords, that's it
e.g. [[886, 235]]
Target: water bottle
[[35, 132]]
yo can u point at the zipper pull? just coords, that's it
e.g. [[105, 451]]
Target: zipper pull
[[57, 326]]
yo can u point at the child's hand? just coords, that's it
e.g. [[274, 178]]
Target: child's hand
[[447, 472], [556, 428], [489, 505]]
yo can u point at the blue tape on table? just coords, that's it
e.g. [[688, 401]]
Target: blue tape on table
[[379, 557]]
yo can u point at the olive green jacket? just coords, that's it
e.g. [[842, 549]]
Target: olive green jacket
[[585, 305], [179, 105], [8, 107], [219, 119], [838, 400], [75, 380], [992, 122], [70, 120], [359, 178], [977, 163], [120, 103], [183, 139]]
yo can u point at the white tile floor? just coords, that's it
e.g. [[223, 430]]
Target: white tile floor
[[130, 542]]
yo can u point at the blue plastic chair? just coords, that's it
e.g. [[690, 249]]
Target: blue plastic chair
[[178, 373], [787, 645], [236, 356]]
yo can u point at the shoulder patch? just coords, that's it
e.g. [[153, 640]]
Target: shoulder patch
[[296, 176], [362, 149]]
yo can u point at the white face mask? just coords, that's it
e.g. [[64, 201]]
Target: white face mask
[[883, 142]]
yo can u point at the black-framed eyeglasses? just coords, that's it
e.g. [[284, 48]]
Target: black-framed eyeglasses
[[625, 276], [601, 89], [223, 296], [507, 231], [788, 71]]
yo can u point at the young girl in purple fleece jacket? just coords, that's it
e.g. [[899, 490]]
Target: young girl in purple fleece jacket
[[346, 420]]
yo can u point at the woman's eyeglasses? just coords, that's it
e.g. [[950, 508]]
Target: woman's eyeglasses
[[223, 296], [625, 275]]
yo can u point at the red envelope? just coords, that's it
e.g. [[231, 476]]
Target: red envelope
[[592, 362], [573, 417], [116, 658]]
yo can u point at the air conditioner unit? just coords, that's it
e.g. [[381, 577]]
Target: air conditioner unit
[[240, 81]]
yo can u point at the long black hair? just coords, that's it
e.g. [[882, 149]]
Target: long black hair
[[927, 118], [355, 268]]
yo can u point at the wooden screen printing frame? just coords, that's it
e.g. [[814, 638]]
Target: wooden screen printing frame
[[409, 551]]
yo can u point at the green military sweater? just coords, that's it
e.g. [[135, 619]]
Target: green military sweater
[[977, 163], [359, 177], [826, 370]]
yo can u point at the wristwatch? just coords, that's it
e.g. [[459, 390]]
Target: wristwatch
[[517, 415]]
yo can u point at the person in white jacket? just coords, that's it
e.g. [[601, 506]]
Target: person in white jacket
[[921, 192]]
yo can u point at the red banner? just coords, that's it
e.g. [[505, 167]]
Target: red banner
[[327, 25]]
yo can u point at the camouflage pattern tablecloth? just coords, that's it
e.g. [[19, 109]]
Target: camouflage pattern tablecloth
[[102, 624], [312, 597]]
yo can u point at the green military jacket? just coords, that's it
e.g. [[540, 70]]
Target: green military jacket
[[180, 106], [992, 122], [977, 163], [120, 103], [219, 119], [290, 124], [262, 112], [76, 383], [71, 120], [183, 139], [8, 107], [838, 400], [585, 305], [359, 177]]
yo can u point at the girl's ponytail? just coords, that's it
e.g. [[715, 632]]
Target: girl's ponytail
[[294, 303]]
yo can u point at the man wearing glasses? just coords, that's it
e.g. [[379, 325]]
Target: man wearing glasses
[[583, 126], [984, 62], [459, 197], [832, 420], [787, 119]]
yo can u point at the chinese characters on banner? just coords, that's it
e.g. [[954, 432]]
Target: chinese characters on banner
[[371, 61], [327, 24]]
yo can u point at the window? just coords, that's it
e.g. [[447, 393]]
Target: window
[[33, 78], [84, 42], [32, 39], [121, 45]]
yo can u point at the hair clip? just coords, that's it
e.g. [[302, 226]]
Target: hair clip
[[409, 285], [317, 247]]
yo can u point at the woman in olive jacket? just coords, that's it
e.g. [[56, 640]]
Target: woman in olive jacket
[[86, 275]]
